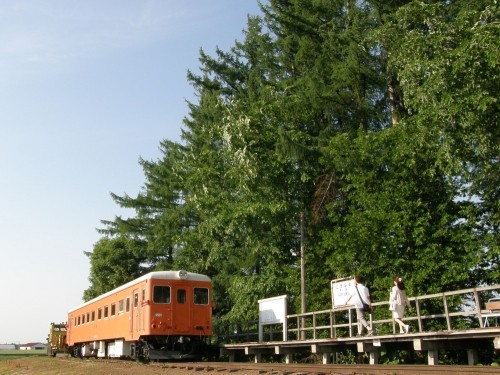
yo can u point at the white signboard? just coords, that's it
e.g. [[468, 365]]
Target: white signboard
[[341, 289], [272, 311]]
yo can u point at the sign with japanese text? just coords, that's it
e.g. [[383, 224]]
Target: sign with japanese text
[[341, 289]]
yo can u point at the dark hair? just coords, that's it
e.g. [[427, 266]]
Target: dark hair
[[359, 279], [399, 283]]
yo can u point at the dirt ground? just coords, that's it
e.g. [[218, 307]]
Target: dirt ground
[[74, 366]]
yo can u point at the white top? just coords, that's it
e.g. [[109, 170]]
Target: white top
[[363, 292], [399, 297]]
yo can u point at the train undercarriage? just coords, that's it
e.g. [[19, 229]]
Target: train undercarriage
[[149, 348]]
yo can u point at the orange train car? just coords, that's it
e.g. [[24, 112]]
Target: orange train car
[[160, 316]]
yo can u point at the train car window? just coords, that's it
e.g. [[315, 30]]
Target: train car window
[[113, 309], [127, 305], [136, 299], [181, 296], [201, 296], [143, 295], [120, 306], [83, 318], [105, 311], [161, 294], [93, 315], [88, 317], [99, 313], [78, 321]]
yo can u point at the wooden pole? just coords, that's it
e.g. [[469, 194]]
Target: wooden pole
[[302, 276]]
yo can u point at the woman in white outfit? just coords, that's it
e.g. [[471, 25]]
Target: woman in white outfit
[[398, 301]]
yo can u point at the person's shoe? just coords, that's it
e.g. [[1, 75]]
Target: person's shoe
[[407, 328]]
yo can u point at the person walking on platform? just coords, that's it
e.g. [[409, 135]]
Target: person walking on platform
[[362, 301], [397, 303]]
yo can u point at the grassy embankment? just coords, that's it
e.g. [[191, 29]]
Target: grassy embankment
[[15, 354]]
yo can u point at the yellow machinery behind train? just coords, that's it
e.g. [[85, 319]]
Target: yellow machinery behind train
[[56, 341]]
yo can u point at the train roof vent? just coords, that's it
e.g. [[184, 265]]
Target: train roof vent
[[183, 275]]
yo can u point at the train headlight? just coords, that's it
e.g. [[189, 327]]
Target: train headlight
[[183, 275]]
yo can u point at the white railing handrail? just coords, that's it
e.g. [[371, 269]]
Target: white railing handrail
[[308, 322], [341, 321]]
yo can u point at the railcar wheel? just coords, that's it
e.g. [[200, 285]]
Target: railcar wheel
[[140, 351], [145, 354], [77, 352]]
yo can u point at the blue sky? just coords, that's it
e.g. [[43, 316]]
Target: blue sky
[[86, 88]]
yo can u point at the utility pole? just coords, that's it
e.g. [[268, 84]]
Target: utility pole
[[302, 276]]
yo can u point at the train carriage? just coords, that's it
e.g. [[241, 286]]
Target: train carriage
[[161, 315]]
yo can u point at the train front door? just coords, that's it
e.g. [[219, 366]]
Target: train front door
[[136, 313], [182, 308]]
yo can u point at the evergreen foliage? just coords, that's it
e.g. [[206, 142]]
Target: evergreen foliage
[[376, 120]]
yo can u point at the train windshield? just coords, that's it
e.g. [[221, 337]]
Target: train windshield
[[201, 296], [161, 294]]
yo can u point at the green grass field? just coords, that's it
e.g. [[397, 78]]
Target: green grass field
[[14, 354]]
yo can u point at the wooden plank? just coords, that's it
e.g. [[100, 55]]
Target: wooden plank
[[493, 306]]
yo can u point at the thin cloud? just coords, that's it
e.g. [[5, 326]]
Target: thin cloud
[[37, 34]]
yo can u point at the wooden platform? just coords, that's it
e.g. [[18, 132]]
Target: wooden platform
[[431, 342]]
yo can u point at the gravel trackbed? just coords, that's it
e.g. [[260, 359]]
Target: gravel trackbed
[[40, 365]]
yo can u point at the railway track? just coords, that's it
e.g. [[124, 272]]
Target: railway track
[[330, 369]]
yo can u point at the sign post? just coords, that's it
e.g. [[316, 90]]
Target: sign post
[[341, 289], [273, 311]]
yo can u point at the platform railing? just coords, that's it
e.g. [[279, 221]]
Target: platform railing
[[447, 311]]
